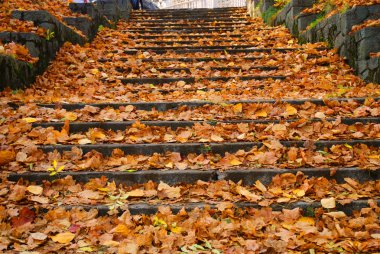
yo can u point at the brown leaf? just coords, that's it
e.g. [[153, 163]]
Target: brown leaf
[[165, 191]]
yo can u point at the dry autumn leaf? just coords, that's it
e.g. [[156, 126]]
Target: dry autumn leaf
[[63, 238], [165, 191], [34, 189], [328, 203], [6, 157]]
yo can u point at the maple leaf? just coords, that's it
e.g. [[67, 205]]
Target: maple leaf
[[63, 238], [25, 216]]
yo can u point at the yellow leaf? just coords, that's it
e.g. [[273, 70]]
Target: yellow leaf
[[290, 110], [231, 64], [374, 156], [30, 119], [288, 226], [299, 192], [63, 238], [103, 189], [328, 203], [159, 222], [183, 65], [238, 108], [71, 116], [261, 113], [176, 230], [235, 162], [348, 146], [86, 249], [260, 186], [94, 71], [306, 220], [34, 189]]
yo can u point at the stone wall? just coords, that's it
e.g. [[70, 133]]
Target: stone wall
[[16, 74], [336, 31], [38, 46]]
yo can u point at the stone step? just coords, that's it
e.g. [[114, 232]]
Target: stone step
[[193, 10], [167, 105], [189, 70], [187, 60], [190, 19], [248, 176], [224, 49], [190, 42], [191, 80], [200, 59], [187, 36], [197, 148], [143, 208], [189, 16], [182, 30], [196, 47], [85, 126], [199, 23]]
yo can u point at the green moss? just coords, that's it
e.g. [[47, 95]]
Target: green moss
[[259, 5], [270, 14], [345, 8], [320, 17]]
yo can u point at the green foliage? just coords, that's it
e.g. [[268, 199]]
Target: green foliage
[[100, 28], [309, 212], [270, 14], [49, 35], [212, 122], [259, 5], [329, 6], [16, 91], [320, 17], [206, 149], [345, 8], [281, 3]]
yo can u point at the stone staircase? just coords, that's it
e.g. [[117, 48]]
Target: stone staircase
[[214, 115]]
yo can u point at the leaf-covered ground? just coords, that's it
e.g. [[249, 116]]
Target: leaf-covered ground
[[113, 93]]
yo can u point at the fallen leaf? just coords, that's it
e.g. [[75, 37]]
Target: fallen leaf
[[328, 203], [337, 215], [165, 191], [238, 108], [6, 157], [246, 193], [63, 238], [136, 193], [261, 113], [235, 162], [216, 138], [38, 199], [71, 116], [30, 119], [38, 236], [290, 110], [260, 186], [35, 189]]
